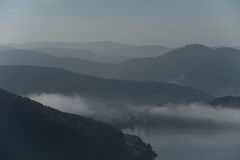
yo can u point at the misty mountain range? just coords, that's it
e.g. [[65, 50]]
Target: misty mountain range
[[36, 80], [144, 86], [212, 70], [82, 54], [26, 57], [97, 47], [101, 51]]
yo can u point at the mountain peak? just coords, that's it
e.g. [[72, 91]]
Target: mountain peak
[[196, 46]]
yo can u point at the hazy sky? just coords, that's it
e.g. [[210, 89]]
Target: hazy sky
[[166, 22]]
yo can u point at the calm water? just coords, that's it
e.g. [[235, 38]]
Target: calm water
[[192, 145]]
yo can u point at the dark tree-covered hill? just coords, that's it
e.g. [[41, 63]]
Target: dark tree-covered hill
[[30, 131], [228, 101]]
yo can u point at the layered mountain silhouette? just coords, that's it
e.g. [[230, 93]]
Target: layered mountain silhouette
[[140, 51], [212, 70], [74, 53], [100, 47], [83, 54], [29, 80], [101, 51], [30, 131], [26, 57]]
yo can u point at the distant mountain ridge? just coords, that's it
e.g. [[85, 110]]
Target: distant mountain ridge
[[96, 47], [30, 80], [27, 57], [82, 54], [140, 51], [100, 51], [213, 70]]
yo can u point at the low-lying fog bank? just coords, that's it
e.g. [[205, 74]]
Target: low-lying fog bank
[[177, 132], [170, 116]]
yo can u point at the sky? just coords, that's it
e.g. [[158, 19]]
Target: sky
[[163, 22]]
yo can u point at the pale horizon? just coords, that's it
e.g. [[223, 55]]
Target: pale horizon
[[167, 22]]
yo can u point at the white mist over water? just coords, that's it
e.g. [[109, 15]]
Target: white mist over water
[[150, 115], [183, 139]]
